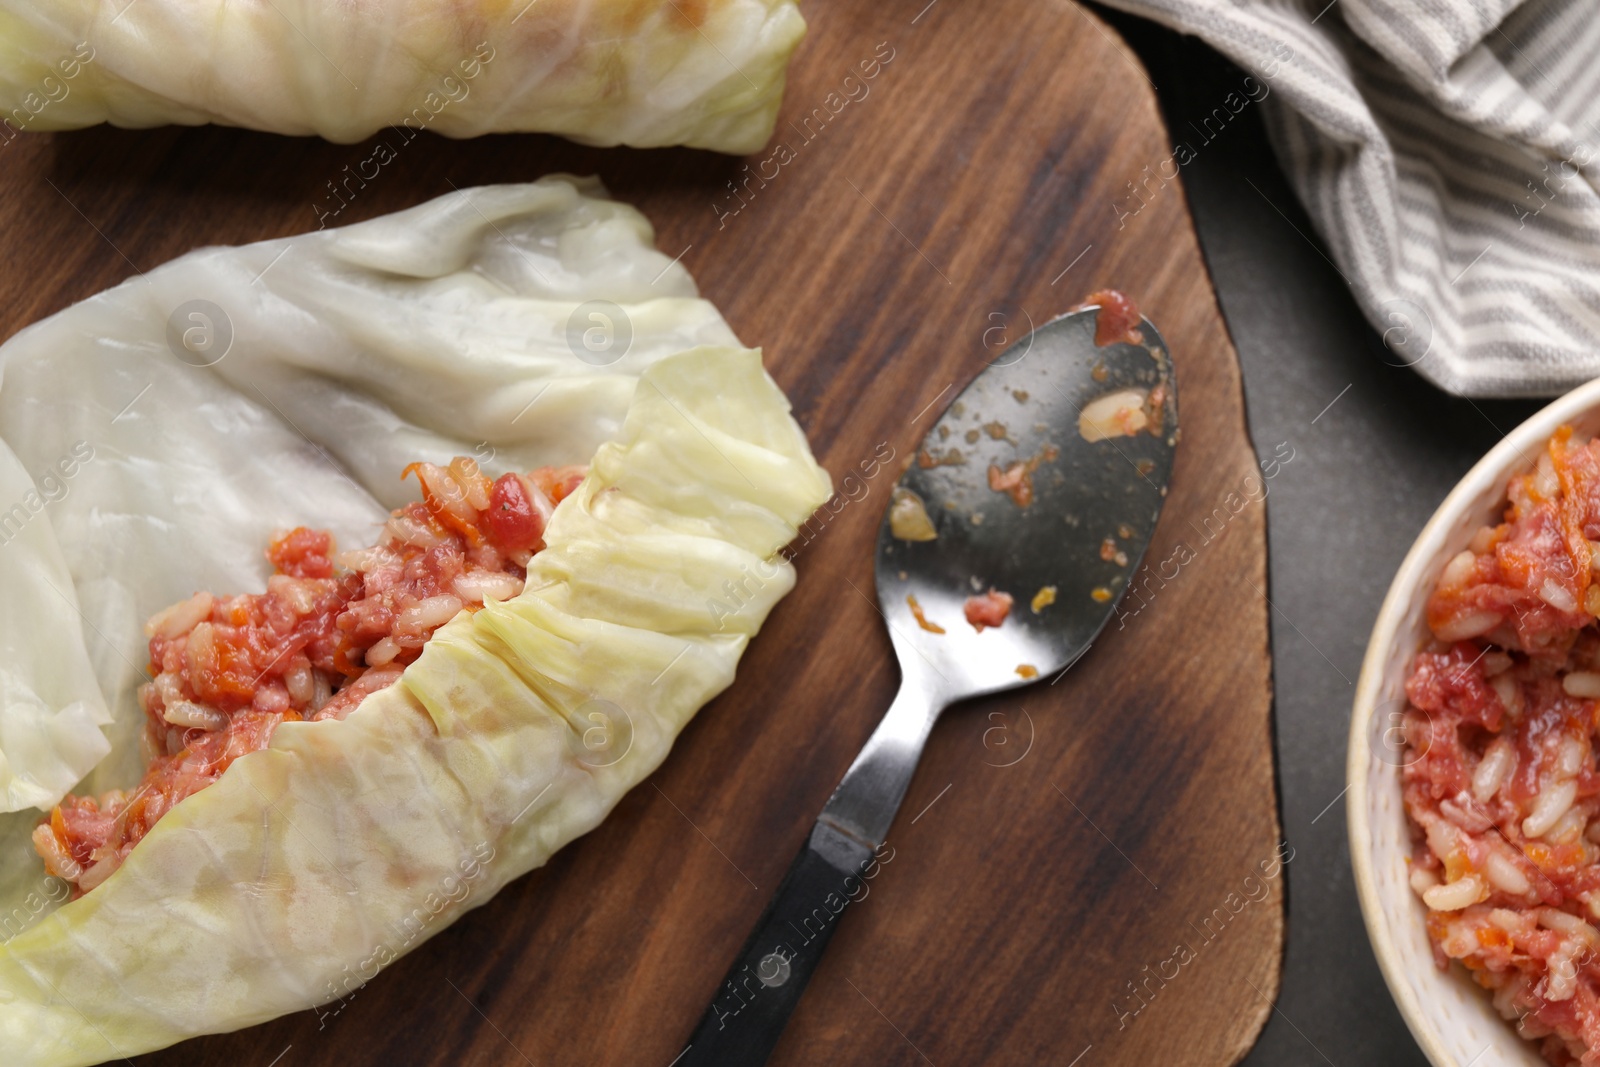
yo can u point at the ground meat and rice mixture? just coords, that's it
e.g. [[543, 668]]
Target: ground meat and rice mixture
[[1499, 771], [331, 629]]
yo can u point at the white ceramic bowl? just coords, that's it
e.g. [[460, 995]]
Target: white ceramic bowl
[[1449, 1015]]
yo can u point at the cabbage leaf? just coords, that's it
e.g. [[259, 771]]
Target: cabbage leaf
[[310, 865]]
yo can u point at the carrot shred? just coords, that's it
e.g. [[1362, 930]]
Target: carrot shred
[[1575, 492]]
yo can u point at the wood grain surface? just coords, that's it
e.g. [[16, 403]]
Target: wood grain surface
[[1078, 868]]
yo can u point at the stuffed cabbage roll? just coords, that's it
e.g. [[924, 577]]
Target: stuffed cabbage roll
[[705, 73], [603, 454]]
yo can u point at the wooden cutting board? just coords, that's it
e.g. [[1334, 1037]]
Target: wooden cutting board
[[1077, 873]]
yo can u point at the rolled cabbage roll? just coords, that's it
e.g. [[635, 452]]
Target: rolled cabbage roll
[[236, 392], [704, 73]]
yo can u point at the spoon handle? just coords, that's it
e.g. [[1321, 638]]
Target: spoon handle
[[745, 1020]]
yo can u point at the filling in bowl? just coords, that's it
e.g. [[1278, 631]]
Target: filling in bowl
[[331, 629], [1498, 765]]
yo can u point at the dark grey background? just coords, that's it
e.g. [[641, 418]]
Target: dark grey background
[[1367, 473]]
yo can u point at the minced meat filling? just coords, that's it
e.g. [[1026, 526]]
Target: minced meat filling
[[330, 629], [1499, 772]]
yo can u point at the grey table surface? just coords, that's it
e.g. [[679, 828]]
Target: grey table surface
[[1377, 448]]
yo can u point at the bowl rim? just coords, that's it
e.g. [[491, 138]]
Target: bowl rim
[[1496, 466]]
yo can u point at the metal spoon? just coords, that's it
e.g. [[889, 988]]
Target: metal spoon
[[1066, 557]]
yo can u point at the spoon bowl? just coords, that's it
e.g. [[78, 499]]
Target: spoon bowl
[[1067, 554]]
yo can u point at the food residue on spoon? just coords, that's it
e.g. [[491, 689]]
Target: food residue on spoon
[[1124, 412], [1044, 598], [951, 458], [1111, 553], [1027, 670], [1101, 595], [987, 609], [1118, 319], [1117, 414], [908, 517], [922, 620], [1017, 480], [1157, 400]]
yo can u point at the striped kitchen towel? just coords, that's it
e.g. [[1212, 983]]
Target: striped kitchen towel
[[1449, 153]]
